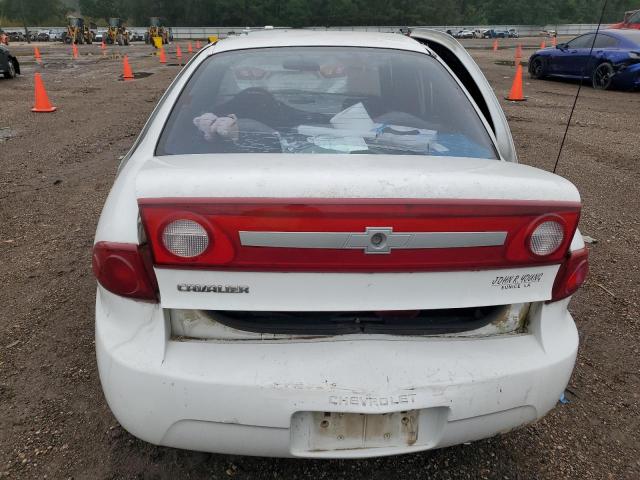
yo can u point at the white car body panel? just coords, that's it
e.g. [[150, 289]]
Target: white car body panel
[[212, 396], [344, 176], [254, 397], [296, 291]]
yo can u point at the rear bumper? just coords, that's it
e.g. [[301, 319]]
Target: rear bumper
[[629, 78], [239, 397]]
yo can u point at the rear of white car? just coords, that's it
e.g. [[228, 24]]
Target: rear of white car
[[321, 246]]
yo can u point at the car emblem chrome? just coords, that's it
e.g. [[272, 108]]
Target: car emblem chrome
[[190, 287], [374, 240]]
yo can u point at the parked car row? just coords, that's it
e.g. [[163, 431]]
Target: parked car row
[[484, 33], [58, 36], [34, 36], [492, 33]]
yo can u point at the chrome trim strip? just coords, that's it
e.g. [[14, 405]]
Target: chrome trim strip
[[373, 240]]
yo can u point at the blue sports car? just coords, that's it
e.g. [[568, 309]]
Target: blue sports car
[[613, 63]]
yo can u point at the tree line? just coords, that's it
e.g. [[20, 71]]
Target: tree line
[[300, 13]]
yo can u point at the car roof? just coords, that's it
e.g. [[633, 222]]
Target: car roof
[[309, 38], [631, 35]]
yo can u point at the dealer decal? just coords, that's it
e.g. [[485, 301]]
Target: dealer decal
[[511, 282]]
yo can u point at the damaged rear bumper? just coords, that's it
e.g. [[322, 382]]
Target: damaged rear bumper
[[256, 398], [628, 78]]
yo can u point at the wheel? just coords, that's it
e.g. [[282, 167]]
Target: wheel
[[11, 73], [602, 76], [536, 68]]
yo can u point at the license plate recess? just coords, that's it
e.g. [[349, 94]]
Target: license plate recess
[[347, 431]]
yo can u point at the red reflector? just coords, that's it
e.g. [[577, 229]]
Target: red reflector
[[571, 275], [306, 229], [120, 268]]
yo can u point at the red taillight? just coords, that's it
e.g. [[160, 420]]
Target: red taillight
[[124, 269], [571, 275], [241, 232]]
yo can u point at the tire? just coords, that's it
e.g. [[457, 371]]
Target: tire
[[602, 76], [11, 73], [536, 68]]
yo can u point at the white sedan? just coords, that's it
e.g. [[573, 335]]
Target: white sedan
[[465, 34], [322, 245]]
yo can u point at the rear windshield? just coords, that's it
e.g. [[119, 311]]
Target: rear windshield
[[324, 100]]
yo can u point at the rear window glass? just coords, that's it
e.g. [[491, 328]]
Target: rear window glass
[[324, 100]]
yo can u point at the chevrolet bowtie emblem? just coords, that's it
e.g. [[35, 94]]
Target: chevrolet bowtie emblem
[[378, 240]]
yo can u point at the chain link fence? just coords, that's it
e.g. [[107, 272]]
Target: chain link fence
[[192, 33]]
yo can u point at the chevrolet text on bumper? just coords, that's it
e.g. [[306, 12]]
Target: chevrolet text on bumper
[[322, 245]]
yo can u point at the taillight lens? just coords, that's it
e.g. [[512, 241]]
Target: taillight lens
[[185, 238], [124, 269], [571, 275], [546, 238], [529, 227]]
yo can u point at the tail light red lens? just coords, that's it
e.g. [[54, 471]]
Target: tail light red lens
[[125, 269], [534, 233], [571, 275]]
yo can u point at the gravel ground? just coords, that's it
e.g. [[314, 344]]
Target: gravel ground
[[57, 170]]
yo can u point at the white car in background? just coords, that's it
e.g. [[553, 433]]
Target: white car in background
[[322, 245], [465, 34]]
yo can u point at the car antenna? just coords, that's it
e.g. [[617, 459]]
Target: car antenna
[[575, 100]]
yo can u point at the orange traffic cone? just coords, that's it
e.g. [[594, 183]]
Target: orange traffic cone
[[163, 56], [543, 45], [518, 56], [42, 103], [198, 45], [495, 45], [103, 47], [127, 73], [74, 50], [189, 48], [515, 95], [178, 52], [36, 54]]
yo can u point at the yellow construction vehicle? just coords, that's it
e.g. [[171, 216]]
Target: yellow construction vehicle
[[157, 30], [116, 33], [77, 31]]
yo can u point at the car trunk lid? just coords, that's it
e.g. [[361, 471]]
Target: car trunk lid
[[348, 233]]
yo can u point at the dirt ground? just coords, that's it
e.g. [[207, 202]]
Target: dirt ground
[[56, 170]]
